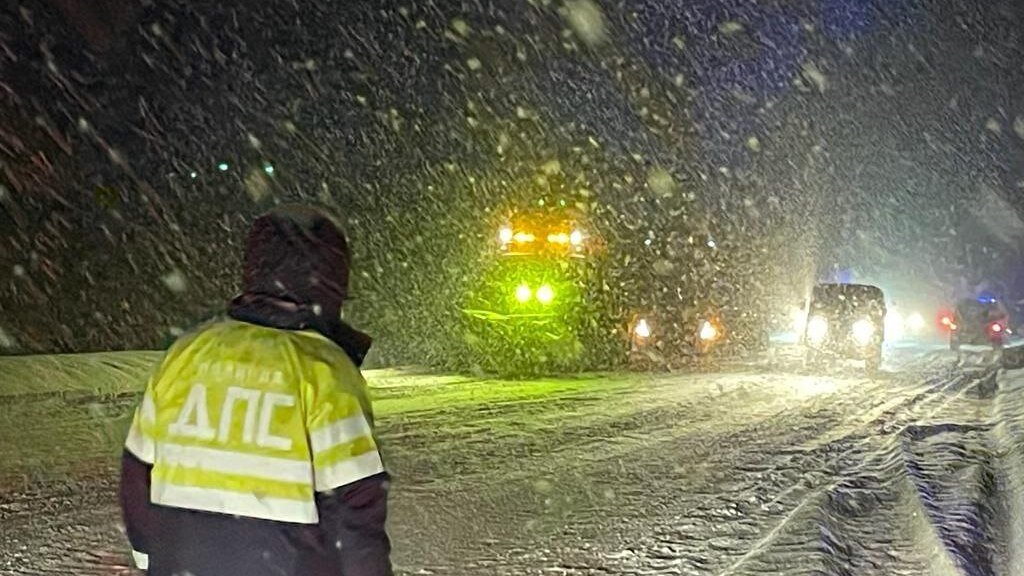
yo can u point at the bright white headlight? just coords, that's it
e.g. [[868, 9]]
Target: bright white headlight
[[523, 293], [817, 329], [642, 329], [707, 331], [863, 331], [545, 294]]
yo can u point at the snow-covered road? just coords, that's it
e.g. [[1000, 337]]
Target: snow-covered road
[[759, 469]]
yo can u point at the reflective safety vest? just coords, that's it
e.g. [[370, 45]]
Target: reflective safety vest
[[251, 421]]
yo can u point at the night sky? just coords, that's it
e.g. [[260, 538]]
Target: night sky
[[139, 138]]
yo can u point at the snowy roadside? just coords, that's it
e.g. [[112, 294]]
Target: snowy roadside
[[750, 471], [1008, 417], [61, 412], [100, 373]]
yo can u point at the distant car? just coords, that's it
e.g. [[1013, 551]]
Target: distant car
[[846, 321], [979, 322], [669, 339]]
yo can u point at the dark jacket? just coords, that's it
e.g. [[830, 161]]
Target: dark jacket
[[286, 287]]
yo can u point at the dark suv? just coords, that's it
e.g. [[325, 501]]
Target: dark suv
[[846, 321]]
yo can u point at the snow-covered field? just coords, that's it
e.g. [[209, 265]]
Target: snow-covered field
[[756, 469]]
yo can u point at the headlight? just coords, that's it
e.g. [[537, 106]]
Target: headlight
[[576, 238], [707, 331], [545, 294], [523, 293], [863, 332], [915, 322], [817, 329], [505, 235], [642, 330]]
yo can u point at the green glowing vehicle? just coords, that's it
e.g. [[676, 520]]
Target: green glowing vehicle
[[536, 307]]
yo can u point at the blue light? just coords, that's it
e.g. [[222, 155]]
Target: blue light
[[840, 276]]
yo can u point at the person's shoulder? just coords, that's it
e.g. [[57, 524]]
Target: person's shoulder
[[317, 347], [306, 347], [224, 333], [216, 328]]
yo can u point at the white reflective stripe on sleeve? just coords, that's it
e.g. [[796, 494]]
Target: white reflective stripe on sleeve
[[237, 503], [339, 432], [263, 467], [140, 445], [141, 560], [348, 471], [148, 409]]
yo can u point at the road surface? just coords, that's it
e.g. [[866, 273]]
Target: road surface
[[745, 469]]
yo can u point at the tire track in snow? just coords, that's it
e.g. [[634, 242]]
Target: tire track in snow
[[860, 448], [706, 514]]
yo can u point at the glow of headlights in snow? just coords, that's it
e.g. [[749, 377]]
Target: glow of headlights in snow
[[523, 293], [798, 318], [915, 322], [895, 325], [545, 294], [814, 386], [817, 329], [863, 331], [642, 330], [708, 331]]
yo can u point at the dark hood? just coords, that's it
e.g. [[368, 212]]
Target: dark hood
[[295, 277], [299, 255]]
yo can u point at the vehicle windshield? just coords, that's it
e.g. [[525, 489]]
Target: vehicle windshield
[[843, 300]]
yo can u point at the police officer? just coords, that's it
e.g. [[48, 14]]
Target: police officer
[[253, 452]]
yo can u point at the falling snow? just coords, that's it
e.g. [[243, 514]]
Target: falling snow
[[587, 19], [175, 281], [716, 159]]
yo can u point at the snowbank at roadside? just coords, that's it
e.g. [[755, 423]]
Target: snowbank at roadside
[[100, 373]]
